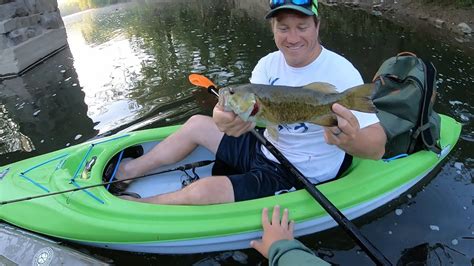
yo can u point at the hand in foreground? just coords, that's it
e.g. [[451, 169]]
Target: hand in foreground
[[346, 130], [274, 231], [230, 123]]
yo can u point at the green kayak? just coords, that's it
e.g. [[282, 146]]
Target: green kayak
[[97, 218]]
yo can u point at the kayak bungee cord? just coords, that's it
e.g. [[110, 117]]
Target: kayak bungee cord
[[115, 168], [23, 174], [179, 168], [377, 257]]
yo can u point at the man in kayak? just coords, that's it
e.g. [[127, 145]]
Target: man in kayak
[[319, 153]]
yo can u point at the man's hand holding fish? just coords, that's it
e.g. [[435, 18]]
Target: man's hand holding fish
[[229, 122], [347, 134]]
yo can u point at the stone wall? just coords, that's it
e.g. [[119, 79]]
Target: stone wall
[[30, 30]]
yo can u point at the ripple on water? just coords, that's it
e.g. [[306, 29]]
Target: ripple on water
[[469, 137], [434, 227], [398, 212]]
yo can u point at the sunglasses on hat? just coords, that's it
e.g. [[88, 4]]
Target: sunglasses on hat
[[309, 4]]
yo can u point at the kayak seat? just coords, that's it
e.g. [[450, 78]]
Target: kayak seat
[[120, 187], [128, 193]]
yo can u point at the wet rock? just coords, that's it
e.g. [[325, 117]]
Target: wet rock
[[30, 6], [423, 17], [377, 7], [376, 13], [353, 3], [5, 42], [240, 257], [331, 2], [461, 40], [7, 10], [47, 5], [464, 28], [19, 22], [21, 11], [51, 20], [33, 31], [17, 36], [439, 23], [21, 35]]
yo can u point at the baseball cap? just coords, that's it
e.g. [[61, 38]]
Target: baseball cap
[[307, 7]]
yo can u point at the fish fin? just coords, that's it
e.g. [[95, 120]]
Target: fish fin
[[359, 98], [322, 87], [273, 131], [327, 120]]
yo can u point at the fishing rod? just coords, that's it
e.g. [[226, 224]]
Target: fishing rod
[[377, 257], [179, 168]]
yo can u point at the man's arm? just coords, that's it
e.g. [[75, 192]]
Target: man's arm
[[292, 252], [368, 142], [277, 243]]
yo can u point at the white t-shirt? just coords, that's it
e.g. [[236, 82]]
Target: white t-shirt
[[303, 144]]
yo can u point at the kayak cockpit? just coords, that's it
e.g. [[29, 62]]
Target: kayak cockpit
[[156, 182]]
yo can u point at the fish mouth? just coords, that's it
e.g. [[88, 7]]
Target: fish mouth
[[254, 110]]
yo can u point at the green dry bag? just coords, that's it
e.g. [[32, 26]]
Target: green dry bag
[[404, 97]]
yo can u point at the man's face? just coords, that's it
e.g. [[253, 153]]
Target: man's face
[[297, 38]]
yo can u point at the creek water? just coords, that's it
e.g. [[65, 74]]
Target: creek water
[[126, 68]]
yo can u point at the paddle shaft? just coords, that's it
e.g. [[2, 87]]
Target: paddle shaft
[[180, 168], [376, 256]]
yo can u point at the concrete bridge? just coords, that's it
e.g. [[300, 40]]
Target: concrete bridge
[[30, 30]]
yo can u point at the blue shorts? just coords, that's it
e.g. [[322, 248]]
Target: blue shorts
[[252, 175]]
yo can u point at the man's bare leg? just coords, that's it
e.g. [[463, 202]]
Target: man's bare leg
[[209, 190], [198, 130]]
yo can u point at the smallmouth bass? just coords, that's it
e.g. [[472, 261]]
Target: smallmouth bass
[[275, 105]]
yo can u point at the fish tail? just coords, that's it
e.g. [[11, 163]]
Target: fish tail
[[359, 98]]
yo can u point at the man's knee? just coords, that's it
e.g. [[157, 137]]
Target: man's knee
[[209, 190], [203, 131], [198, 121]]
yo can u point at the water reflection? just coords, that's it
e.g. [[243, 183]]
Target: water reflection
[[133, 61], [127, 68], [43, 110], [12, 138], [426, 254]]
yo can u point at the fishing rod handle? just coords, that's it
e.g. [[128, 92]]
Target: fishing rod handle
[[195, 165]]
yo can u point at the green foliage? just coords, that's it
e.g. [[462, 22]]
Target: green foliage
[[72, 6], [458, 3]]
